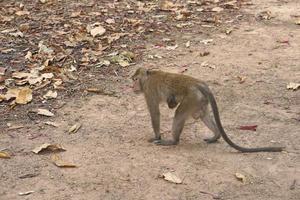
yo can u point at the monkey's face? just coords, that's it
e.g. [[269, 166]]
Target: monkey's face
[[138, 78], [137, 89]]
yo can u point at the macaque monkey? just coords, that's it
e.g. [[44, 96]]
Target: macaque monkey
[[192, 97]]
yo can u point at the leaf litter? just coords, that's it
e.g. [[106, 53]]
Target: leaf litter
[[100, 37]]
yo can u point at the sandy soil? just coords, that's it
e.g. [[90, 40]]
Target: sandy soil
[[114, 159]]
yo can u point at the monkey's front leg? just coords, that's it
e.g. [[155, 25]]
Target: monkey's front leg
[[155, 120]]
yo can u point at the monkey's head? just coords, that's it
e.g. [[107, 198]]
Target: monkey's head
[[139, 78]]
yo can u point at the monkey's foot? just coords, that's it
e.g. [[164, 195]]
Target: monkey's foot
[[165, 142], [151, 140], [211, 140]]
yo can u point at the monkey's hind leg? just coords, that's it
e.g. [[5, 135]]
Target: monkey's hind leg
[[210, 123], [178, 124]]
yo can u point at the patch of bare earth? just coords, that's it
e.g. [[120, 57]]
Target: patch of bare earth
[[248, 70]]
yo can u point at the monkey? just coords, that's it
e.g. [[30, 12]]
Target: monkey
[[192, 98]]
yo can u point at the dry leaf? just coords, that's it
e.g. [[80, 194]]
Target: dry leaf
[[103, 63], [240, 177], [217, 9], [95, 90], [110, 21], [4, 155], [242, 79], [24, 96], [50, 95], [205, 53], [187, 44], [293, 86], [74, 128], [172, 47], [228, 31], [28, 55], [114, 37], [99, 30], [15, 127], [75, 14], [49, 147], [248, 128], [206, 64], [51, 123], [7, 50], [44, 49], [24, 27], [168, 6], [25, 193], [20, 75], [56, 159], [11, 93], [22, 12], [44, 112], [206, 41], [123, 63], [17, 34], [48, 75], [297, 22], [2, 71], [171, 177]]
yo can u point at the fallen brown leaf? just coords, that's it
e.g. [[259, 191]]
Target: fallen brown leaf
[[24, 96], [249, 128], [26, 193], [95, 90], [242, 79], [205, 53], [240, 177], [217, 9], [49, 147], [56, 159], [22, 12], [44, 112], [15, 127], [293, 86], [171, 177], [97, 31], [4, 155], [51, 124], [50, 95], [74, 128]]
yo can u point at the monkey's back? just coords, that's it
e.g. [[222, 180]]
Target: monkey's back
[[173, 84]]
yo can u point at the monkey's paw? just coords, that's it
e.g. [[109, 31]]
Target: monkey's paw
[[165, 142], [211, 140], [151, 140]]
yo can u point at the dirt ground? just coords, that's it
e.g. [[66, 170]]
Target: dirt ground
[[248, 70]]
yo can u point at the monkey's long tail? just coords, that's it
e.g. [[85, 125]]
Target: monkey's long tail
[[207, 92]]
